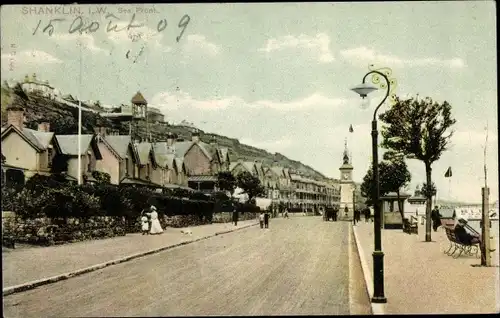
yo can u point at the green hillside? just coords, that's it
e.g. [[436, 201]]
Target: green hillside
[[64, 120]]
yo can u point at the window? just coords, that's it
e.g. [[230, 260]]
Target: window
[[89, 162], [50, 152], [126, 167]]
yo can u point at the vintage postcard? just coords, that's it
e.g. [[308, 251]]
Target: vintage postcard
[[249, 159]]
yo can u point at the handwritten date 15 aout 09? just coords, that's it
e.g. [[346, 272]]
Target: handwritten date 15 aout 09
[[79, 25]]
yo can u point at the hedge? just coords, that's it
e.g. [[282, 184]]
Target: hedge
[[54, 197]]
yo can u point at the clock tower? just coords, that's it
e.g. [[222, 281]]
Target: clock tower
[[347, 185]]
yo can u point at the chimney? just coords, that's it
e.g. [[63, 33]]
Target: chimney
[[15, 114], [44, 126], [195, 136], [170, 139]]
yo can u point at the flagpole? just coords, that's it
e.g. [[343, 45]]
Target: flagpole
[[80, 118]]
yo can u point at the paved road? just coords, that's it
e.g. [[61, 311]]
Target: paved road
[[297, 266]]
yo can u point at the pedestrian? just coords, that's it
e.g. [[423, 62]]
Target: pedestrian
[[358, 215], [286, 214], [235, 216], [144, 224], [436, 218], [335, 213], [261, 220], [266, 220], [355, 217], [366, 212], [155, 222]]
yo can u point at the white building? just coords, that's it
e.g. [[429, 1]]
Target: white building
[[34, 85]]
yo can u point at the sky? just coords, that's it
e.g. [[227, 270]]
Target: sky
[[278, 75]]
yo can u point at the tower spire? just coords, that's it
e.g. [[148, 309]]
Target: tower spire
[[346, 153]]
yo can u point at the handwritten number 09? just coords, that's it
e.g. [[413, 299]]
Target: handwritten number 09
[[183, 23]]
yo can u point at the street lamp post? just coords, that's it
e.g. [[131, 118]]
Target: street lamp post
[[378, 256]]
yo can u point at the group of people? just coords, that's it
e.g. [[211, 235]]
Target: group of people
[[357, 215], [264, 220], [463, 232], [150, 223]]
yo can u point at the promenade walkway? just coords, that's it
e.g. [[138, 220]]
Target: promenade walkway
[[421, 279], [27, 264]]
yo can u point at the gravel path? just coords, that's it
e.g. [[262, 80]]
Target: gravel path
[[297, 266]]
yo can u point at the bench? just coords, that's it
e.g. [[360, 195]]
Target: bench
[[410, 228], [457, 245]]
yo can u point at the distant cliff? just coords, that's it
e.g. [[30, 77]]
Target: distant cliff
[[63, 119]]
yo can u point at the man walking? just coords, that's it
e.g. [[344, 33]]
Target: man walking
[[266, 220], [366, 212], [235, 216], [335, 213], [436, 218], [261, 220]]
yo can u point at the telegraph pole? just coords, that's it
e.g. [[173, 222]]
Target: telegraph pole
[[485, 229]]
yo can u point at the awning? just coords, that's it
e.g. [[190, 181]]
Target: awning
[[6, 166], [138, 182], [202, 179], [176, 186]]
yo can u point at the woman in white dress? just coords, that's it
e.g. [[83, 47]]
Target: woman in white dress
[[155, 222]]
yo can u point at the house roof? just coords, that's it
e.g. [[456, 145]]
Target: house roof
[[69, 144], [119, 143], [180, 163], [163, 156], [259, 167], [223, 154], [394, 195], [249, 165], [143, 151], [139, 99], [180, 148], [277, 170], [38, 139]]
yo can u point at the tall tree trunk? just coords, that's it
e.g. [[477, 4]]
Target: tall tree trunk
[[400, 207], [428, 208]]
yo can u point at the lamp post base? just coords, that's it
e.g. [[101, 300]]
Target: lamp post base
[[378, 277], [379, 300]]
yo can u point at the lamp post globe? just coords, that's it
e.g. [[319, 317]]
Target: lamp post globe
[[364, 89]]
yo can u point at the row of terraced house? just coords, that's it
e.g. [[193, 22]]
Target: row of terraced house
[[172, 163]]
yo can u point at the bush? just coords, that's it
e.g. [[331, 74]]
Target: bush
[[247, 207], [8, 199], [31, 204], [101, 177]]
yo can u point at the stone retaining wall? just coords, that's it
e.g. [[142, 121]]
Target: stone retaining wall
[[48, 231], [225, 217]]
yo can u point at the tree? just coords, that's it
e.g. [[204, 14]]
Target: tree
[[393, 175], [226, 182], [398, 176], [250, 185], [428, 192], [419, 129]]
